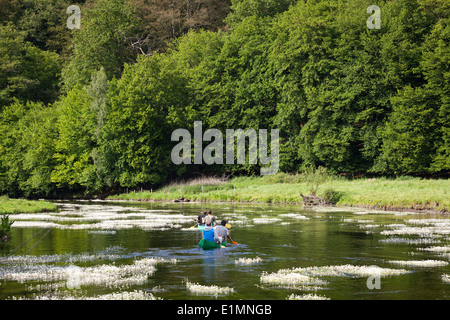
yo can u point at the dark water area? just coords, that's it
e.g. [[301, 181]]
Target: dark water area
[[108, 249]]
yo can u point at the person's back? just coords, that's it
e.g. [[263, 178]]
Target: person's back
[[220, 234], [208, 233], [213, 219], [201, 218]]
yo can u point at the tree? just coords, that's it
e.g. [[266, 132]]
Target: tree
[[103, 42], [75, 142], [240, 9], [410, 134], [436, 66], [26, 72], [143, 111], [28, 139], [165, 20]]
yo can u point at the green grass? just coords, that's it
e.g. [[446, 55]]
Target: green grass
[[389, 193], [13, 206]]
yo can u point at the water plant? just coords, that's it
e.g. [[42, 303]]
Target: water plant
[[247, 261], [309, 296], [208, 290], [420, 263], [347, 270], [446, 278], [5, 228]]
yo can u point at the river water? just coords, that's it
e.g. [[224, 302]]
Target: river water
[[134, 250]]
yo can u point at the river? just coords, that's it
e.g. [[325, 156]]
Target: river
[[148, 250]]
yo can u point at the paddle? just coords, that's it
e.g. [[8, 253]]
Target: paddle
[[194, 226], [228, 226]]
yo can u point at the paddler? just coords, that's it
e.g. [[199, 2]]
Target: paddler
[[213, 219], [201, 219], [208, 232], [221, 233]]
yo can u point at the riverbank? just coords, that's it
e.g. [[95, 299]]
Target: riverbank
[[14, 206], [404, 193]]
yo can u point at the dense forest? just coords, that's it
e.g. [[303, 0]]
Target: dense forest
[[92, 110]]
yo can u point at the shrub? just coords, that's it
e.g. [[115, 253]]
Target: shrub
[[5, 228], [332, 196]]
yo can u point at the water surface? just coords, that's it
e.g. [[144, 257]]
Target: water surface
[[149, 248]]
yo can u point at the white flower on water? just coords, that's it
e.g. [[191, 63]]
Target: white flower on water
[[265, 220], [310, 296], [446, 278], [59, 258], [420, 263], [410, 241], [110, 276], [64, 295], [294, 216], [248, 261], [208, 290], [105, 219], [278, 278], [346, 271], [436, 249]]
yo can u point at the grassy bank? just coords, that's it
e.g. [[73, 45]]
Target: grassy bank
[[386, 193], [12, 206]]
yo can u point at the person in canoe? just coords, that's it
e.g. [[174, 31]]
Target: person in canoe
[[213, 219], [210, 235], [208, 232], [221, 233], [201, 219]]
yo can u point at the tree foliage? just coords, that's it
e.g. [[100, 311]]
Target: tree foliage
[[344, 97]]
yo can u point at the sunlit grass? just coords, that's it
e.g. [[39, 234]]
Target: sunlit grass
[[14, 206], [384, 193]]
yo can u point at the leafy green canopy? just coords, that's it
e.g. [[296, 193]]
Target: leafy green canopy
[[343, 96]]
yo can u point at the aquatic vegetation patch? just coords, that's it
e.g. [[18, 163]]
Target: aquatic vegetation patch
[[446, 278], [71, 258], [105, 219], [311, 277], [296, 216], [410, 241], [345, 271], [419, 231], [102, 232], [208, 290], [420, 227], [248, 261], [69, 295], [420, 263], [291, 278], [110, 276], [369, 226], [265, 220], [309, 296], [436, 249]]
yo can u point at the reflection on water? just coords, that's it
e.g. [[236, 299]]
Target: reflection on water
[[122, 250]]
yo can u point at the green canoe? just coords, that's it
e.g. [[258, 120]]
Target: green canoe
[[207, 245]]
